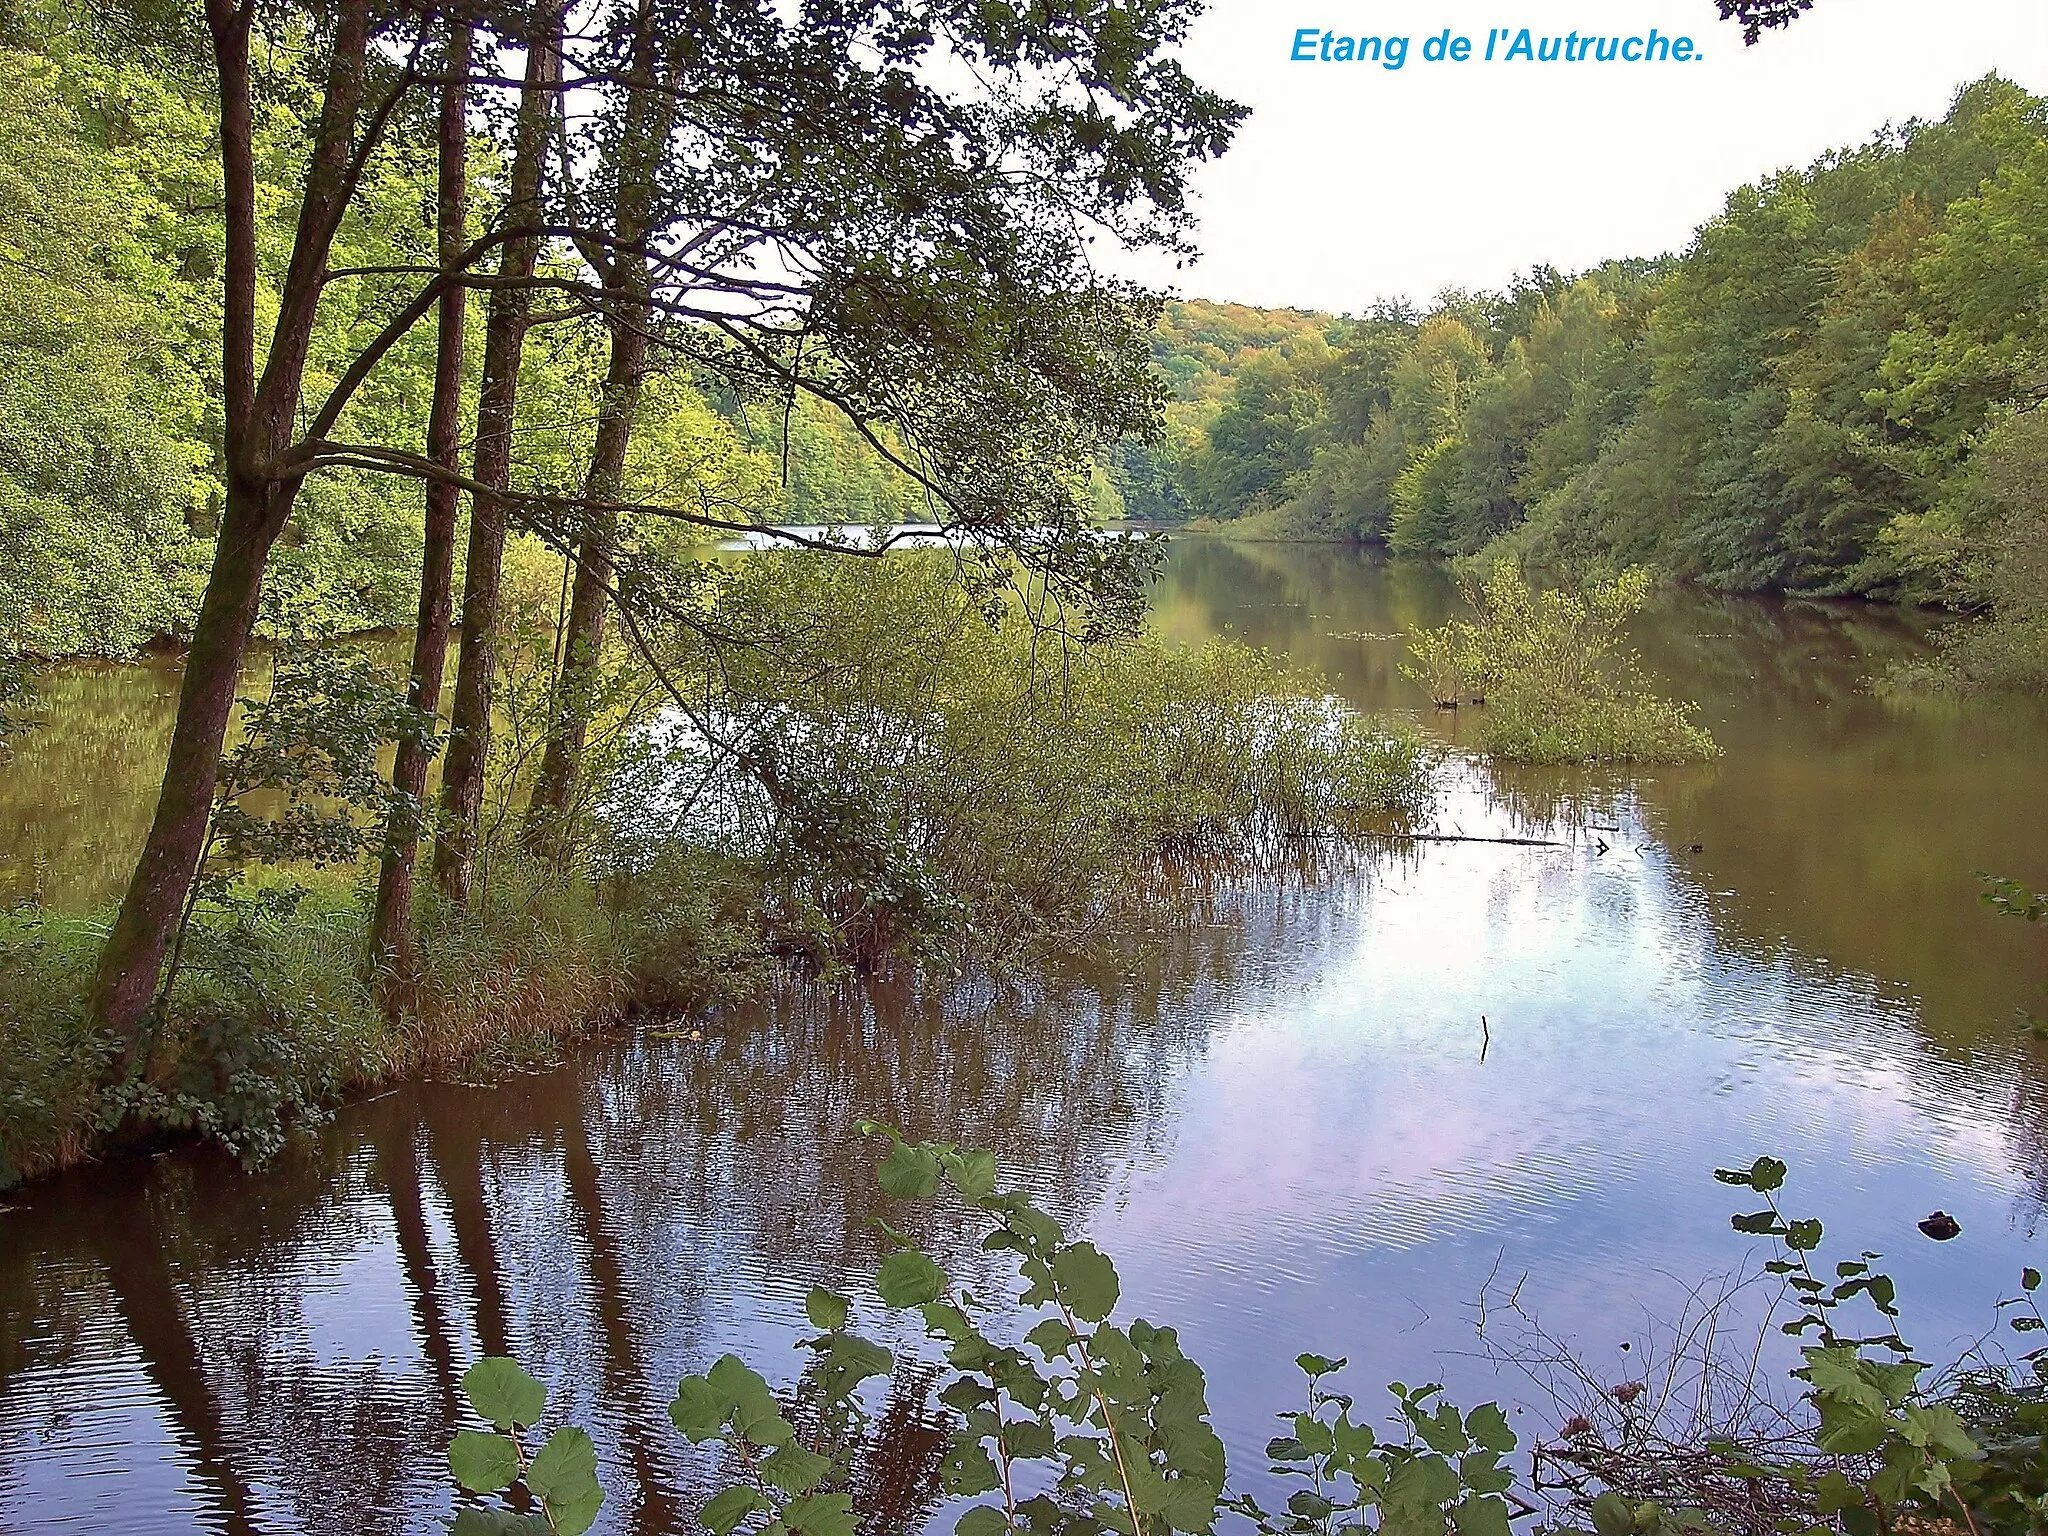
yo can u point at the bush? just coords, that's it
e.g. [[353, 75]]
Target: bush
[[1557, 676], [1081, 1427], [920, 772]]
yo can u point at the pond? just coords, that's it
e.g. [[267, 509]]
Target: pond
[[1277, 1106]]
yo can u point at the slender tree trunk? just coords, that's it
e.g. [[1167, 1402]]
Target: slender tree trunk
[[391, 937], [469, 736], [629, 318], [547, 815], [132, 958], [260, 415]]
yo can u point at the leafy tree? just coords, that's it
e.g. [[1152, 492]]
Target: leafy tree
[[924, 287]]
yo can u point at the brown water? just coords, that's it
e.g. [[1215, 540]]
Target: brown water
[[1275, 1107]]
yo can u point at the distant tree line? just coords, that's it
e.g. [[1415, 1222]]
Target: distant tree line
[[1813, 397]]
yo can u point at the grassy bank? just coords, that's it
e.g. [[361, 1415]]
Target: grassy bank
[[890, 779]]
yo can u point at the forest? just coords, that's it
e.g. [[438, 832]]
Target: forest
[[1831, 391]]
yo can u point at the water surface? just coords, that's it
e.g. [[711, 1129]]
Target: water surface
[[1276, 1104]]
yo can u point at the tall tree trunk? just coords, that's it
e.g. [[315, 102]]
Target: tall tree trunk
[[547, 815], [391, 937], [546, 830], [469, 735], [132, 959], [629, 318], [259, 417]]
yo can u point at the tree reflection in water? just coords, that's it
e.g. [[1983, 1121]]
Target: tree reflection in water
[[616, 1221]]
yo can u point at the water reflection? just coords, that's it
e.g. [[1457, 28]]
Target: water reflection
[[1275, 1103]]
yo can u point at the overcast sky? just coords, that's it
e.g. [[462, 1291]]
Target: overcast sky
[[1352, 182]]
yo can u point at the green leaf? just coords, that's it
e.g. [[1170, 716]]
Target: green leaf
[[1612, 1515], [2030, 1279], [967, 1469], [483, 1463], [1803, 1236], [1188, 1504], [563, 1476], [1087, 1281], [795, 1470], [1051, 1338], [1427, 1482], [982, 1520], [1489, 1426], [698, 1411], [725, 1512], [1766, 1174], [827, 1310], [1443, 1430], [1758, 1222], [1481, 1472], [759, 1420], [908, 1279], [1838, 1375], [1313, 1366], [475, 1520], [1835, 1493], [909, 1172], [1029, 1439], [1480, 1517], [822, 1514], [503, 1393], [859, 1358], [1310, 1505], [1940, 1429], [734, 1382], [744, 1397], [973, 1174]]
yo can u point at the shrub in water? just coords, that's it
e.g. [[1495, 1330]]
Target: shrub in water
[[1556, 673]]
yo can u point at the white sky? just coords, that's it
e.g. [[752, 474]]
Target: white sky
[[1351, 182]]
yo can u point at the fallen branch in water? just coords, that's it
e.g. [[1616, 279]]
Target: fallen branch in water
[[1454, 837]]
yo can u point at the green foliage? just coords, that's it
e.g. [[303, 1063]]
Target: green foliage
[[914, 771], [1886, 1445], [1555, 673], [309, 752], [102, 411], [560, 1476], [1828, 392], [1446, 1473], [1984, 544], [1082, 1426], [2013, 899]]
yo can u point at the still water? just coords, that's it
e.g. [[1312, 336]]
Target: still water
[[1277, 1106]]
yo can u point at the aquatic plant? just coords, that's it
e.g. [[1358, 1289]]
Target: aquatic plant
[[1558, 677]]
